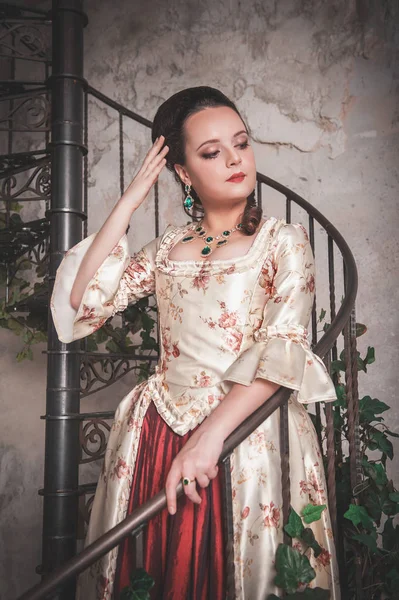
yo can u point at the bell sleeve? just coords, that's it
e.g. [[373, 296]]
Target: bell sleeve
[[280, 351], [120, 280]]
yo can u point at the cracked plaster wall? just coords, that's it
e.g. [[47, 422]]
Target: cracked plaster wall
[[317, 83]]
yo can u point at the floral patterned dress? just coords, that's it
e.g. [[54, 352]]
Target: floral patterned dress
[[221, 321]]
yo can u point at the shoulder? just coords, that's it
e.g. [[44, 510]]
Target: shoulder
[[291, 234], [291, 245]]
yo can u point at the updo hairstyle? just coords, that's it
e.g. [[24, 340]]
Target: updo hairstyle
[[169, 121]]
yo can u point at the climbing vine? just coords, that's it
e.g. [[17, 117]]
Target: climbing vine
[[365, 518], [367, 521]]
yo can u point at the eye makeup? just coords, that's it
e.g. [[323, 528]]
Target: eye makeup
[[243, 146]]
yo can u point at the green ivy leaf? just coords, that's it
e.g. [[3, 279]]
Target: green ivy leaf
[[338, 418], [293, 568], [91, 345], [141, 580], [24, 265], [140, 585], [369, 540], [149, 343], [358, 514], [308, 594], [372, 502], [27, 336], [112, 347], [341, 395], [392, 433], [100, 335], [312, 512], [294, 527], [15, 219], [20, 356], [388, 507], [390, 536], [309, 539], [393, 580], [382, 443], [15, 326], [322, 315], [379, 474], [337, 366], [360, 329], [126, 594], [370, 356], [147, 322], [394, 496], [16, 207], [42, 269], [369, 408], [361, 365], [25, 353]]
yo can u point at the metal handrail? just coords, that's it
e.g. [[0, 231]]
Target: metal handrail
[[133, 522], [117, 106]]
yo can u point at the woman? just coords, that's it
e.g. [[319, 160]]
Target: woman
[[233, 329]]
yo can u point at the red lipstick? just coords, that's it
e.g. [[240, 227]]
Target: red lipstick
[[237, 177]]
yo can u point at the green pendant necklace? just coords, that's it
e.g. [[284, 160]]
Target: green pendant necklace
[[221, 239]]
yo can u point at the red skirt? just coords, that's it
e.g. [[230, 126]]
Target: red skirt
[[182, 552]]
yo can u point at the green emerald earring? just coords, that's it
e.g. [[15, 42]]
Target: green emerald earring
[[188, 202]]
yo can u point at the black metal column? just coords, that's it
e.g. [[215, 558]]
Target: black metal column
[[60, 510]]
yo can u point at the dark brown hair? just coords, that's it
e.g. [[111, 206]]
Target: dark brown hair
[[169, 122]]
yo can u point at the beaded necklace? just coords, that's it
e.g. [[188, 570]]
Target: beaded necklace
[[200, 232]]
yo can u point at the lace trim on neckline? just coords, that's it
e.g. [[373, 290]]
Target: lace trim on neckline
[[187, 267]]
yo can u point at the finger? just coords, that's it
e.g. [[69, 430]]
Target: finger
[[203, 480], [157, 171], [191, 492], [153, 164], [156, 159], [152, 152], [159, 140], [172, 481], [212, 472]]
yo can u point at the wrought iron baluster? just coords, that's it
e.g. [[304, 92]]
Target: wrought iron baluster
[[330, 452], [228, 530], [288, 209], [121, 156], [156, 202], [259, 193], [334, 349], [285, 467], [86, 162], [314, 327]]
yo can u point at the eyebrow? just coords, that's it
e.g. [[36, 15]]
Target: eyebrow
[[216, 140]]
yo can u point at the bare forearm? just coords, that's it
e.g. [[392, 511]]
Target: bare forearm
[[236, 406], [117, 222], [106, 239]]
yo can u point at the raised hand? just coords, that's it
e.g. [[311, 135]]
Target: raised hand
[[118, 220], [147, 175]]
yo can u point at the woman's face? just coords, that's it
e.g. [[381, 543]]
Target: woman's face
[[209, 164]]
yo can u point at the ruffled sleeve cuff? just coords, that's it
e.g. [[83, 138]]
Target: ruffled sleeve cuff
[[105, 293], [282, 354]]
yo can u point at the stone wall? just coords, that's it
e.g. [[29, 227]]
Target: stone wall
[[317, 83]]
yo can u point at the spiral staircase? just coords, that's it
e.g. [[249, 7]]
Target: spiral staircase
[[44, 173]]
